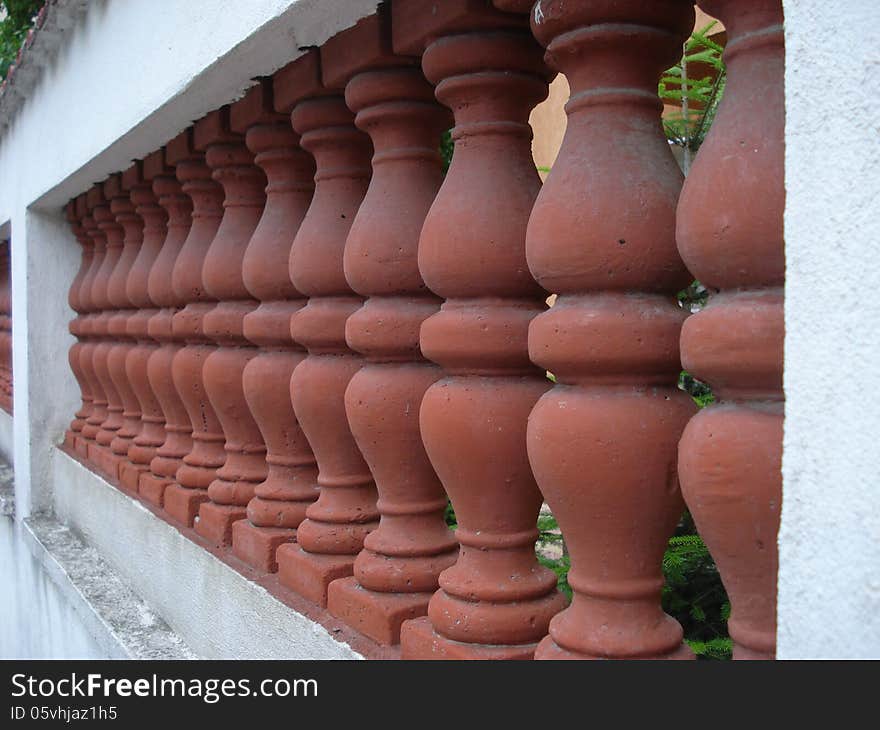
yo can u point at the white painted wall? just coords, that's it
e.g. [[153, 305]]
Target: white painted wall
[[829, 576], [46, 256], [36, 619]]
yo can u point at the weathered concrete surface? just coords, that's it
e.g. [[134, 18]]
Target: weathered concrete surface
[[61, 600], [215, 610], [121, 623], [38, 619]]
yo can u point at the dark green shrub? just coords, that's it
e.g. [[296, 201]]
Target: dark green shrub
[[14, 27]]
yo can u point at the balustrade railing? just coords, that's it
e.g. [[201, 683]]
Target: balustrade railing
[[297, 339]]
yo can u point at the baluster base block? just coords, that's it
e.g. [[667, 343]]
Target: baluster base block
[[549, 649], [81, 446], [310, 574], [129, 476], [257, 546], [215, 522], [105, 461], [70, 439], [182, 504], [376, 615], [152, 488], [418, 640]]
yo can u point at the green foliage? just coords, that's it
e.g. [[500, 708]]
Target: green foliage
[[560, 566], [548, 529], [549, 534], [696, 389], [693, 297], [20, 15], [693, 593], [449, 516], [698, 97], [447, 146], [718, 648]]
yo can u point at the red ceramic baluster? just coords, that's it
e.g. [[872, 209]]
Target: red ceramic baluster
[[112, 234], [497, 600], [199, 468], [98, 412], [244, 184], [335, 526], [123, 210], [730, 234], [280, 501], [177, 441], [396, 573], [602, 442], [79, 304], [150, 431]]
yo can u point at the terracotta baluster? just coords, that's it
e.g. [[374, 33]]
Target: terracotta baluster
[[177, 442], [80, 305], [132, 225], [730, 234], [99, 452], [280, 501], [98, 411], [244, 184], [602, 442], [199, 467], [149, 432], [332, 534], [396, 573], [496, 601], [84, 323], [121, 243]]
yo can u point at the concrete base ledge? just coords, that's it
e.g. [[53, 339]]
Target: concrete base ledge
[[123, 625], [217, 612]]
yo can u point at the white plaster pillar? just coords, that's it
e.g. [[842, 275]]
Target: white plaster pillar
[[829, 541], [45, 259]]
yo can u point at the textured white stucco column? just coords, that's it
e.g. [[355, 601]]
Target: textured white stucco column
[[46, 394], [829, 542]]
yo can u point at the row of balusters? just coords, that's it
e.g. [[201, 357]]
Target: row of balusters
[[296, 336]]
